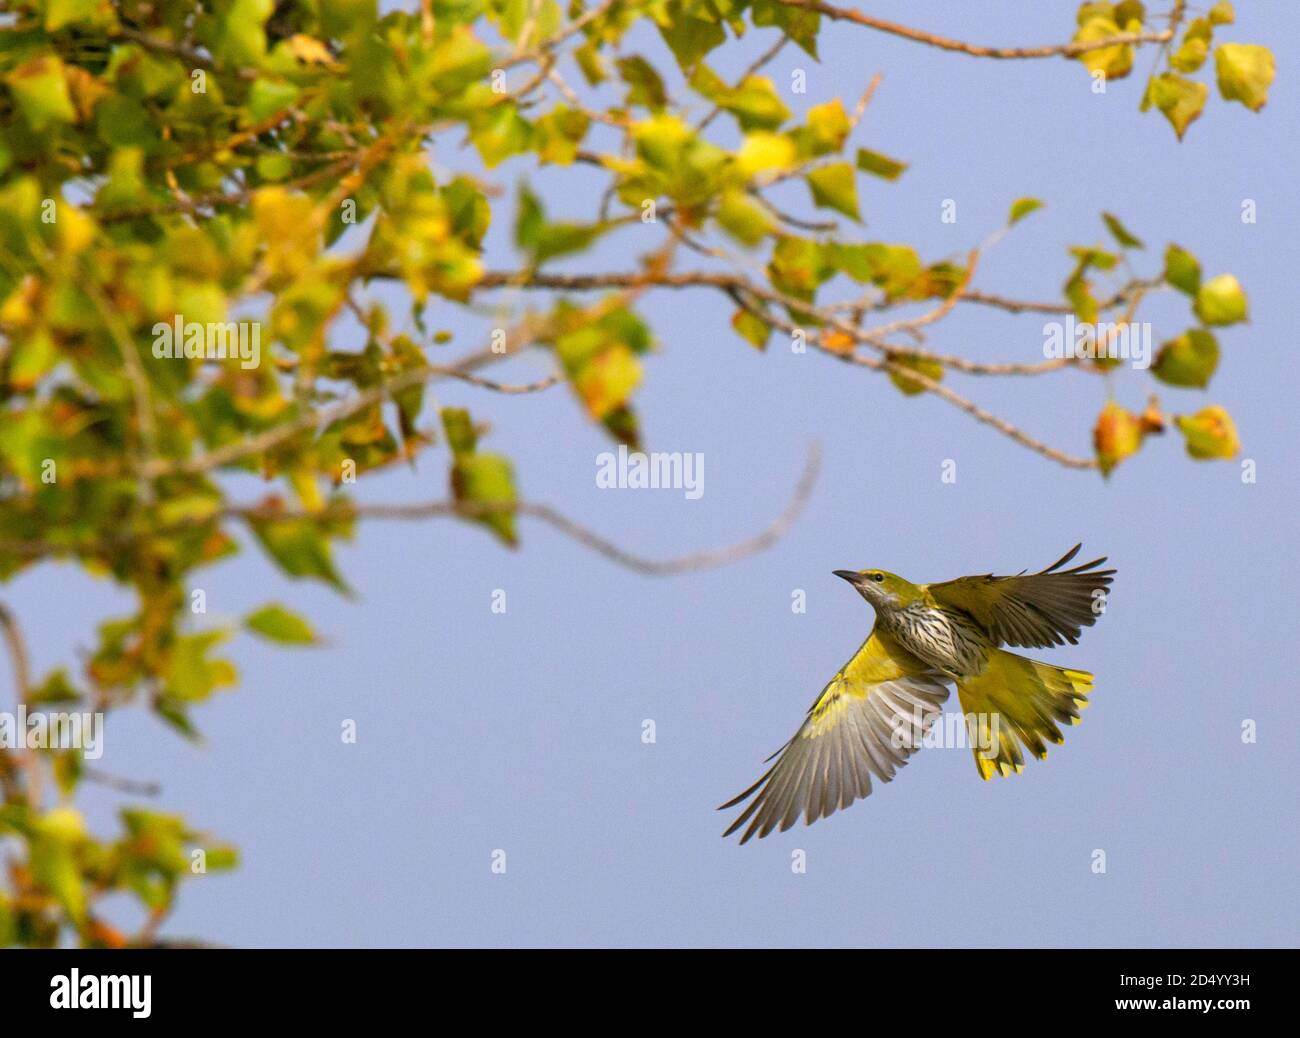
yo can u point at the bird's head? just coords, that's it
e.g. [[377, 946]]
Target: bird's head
[[884, 590]]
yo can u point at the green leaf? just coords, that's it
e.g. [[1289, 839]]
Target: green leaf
[[243, 40], [893, 268], [40, 91], [1078, 292], [482, 479], [280, 625], [879, 165], [798, 266], [752, 328], [559, 133], [1210, 433], [1113, 62], [1021, 208], [1188, 360], [828, 126], [1091, 256], [54, 867], [605, 380], [1221, 301], [267, 97], [459, 428], [220, 858], [744, 218], [835, 187], [763, 151], [1182, 270], [1222, 13], [646, 87], [487, 479], [61, 13], [931, 369], [1245, 72], [755, 104], [799, 24], [1181, 100], [499, 132], [1195, 48], [193, 676], [1121, 233], [56, 688], [1128, 12], [687, 37], [545, 240], [299, 548]]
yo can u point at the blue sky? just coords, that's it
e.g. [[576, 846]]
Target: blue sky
[[522, 731]]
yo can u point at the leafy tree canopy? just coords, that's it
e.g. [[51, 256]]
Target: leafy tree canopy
[[194, 199]]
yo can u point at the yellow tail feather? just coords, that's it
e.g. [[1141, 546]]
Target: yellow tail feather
[[1015, 701]]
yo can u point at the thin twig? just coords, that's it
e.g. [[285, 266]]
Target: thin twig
[[231, 453], [122, 785], [753, 69], [1061, 50], [557, 520]]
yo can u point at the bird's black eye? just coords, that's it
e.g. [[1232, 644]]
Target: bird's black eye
[[879, 578]]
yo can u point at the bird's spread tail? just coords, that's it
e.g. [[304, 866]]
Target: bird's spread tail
[[1016, 701]]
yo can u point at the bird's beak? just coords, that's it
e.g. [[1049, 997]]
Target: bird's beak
[[847, 574]]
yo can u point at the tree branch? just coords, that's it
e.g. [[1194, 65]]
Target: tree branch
[[557, 520], [1059, 50]]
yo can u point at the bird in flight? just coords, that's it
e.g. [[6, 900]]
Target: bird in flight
[[874, 714]]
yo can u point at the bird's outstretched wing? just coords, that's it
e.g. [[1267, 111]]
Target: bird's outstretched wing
[[867, 721], [1034, 610]]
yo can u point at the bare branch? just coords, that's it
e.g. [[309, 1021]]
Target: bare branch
[[980, 414], [315, 419], [17, 646], [570, 528], [26, 757], [758, 64], [122, 785], [1059, 50]]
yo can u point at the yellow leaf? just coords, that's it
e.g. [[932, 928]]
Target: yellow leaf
[[763, 151]]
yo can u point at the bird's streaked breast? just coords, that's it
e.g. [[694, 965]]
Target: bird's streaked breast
[[940, 638]]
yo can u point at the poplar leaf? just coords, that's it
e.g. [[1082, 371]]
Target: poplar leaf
[[1209, 434], [1221, 301], [1245, 72], [278, 624], [835, 187]]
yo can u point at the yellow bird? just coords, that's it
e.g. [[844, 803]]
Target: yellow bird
[[875, 712]]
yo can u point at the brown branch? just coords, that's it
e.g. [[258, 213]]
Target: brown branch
[[543, 50], [694, 562], [980, 414], [122, 785], [753, 69], [22, 665], [17, 653], [1062, 50], [315, 419], [192, 57]]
